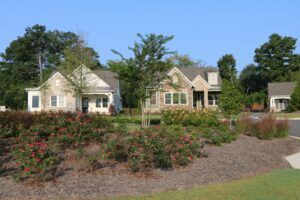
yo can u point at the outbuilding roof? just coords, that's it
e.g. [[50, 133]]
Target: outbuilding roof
[[281, 88]]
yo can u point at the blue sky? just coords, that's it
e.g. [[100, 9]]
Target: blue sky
[[205, 30]]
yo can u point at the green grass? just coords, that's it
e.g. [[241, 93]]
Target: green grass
[[288, 115], [279, 184]]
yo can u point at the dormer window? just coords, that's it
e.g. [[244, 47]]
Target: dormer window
[[212, 78]]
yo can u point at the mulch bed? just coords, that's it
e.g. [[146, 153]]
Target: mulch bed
[[245, 157]]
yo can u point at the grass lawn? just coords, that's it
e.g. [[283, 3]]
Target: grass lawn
[[288, 115], [279, 184]]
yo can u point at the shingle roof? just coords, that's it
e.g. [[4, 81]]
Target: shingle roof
[[281, 88], [108, 77], [192, 72]]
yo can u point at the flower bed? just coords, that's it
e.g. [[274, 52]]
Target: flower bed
[[43, 139]]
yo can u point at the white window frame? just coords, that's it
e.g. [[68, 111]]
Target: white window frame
[[101, 102], [214, 99], [179, 99], [59, 99]]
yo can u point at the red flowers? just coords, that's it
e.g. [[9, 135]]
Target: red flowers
[[26, 169], [33, 154]]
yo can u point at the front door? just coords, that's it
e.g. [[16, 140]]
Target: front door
[[85, 104], [198, 100]]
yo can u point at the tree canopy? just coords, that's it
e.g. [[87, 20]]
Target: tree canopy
[[178, 60], [251, 80], [29, 60], [276, 58], [294, 103], [147, 68], [227, 67]]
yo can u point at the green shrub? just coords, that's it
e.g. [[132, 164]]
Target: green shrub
[[204, 118], [219, 135], [282, 129]]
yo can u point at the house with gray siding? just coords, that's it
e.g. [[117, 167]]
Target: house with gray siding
[[279, 94]]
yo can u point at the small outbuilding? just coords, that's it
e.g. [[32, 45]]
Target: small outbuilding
[[279, 94]]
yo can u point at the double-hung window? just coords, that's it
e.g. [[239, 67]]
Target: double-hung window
[[168, 98], [105, 102], [213, 100], [58, 101], [175, 98], [102, 102], [98, 102]]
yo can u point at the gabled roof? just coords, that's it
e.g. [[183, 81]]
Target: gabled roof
[[192, 72], [107, 76], [281, 88]]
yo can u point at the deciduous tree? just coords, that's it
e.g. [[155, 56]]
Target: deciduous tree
[[230, 100], [148, 67]]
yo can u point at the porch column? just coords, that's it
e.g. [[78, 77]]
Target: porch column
[[111, 98], [205, 99]]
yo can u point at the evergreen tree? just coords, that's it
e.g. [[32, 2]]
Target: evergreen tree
[[294, 104], [227, 68]]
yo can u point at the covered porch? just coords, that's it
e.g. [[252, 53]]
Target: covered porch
[[205, 99], [278, 104], [99, 102]]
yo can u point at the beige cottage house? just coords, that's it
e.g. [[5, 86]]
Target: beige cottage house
[[100, 90], [279, 95], [197, 88]]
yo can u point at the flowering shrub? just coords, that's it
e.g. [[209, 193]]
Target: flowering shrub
[[35, 160], [204, 118], [12, 123], [153, 147]]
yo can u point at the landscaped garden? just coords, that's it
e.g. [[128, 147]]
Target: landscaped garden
[[181, 149]]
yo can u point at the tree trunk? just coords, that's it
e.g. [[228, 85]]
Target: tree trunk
[[231, 125], [129, 100], [40, 66], [142, 109]]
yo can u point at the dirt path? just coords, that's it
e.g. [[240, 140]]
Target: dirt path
[[243, 158]]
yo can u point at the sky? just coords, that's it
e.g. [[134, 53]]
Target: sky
[[204, 30]]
